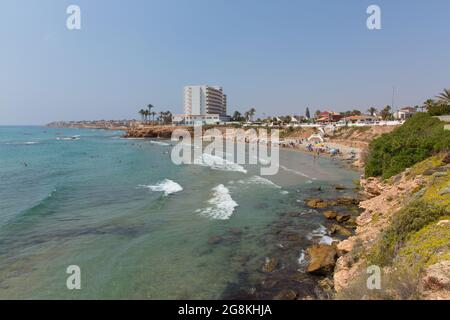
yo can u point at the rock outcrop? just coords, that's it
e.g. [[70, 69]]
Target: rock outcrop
[[153, 131], [435, 284], [322, 259], [385, 200]]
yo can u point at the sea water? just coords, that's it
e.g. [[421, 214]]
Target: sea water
[[138, 226]]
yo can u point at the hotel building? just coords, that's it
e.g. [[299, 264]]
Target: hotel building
[[203, 104]]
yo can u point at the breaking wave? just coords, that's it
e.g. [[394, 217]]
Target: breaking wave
[[222, 205], [167, 186], [322, 234], [218, 163], [258, 180]]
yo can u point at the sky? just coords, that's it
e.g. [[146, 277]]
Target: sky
[[276, 56]]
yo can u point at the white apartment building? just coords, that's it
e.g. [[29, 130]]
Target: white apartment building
[[190, 120], [202, 100], [203, 104]]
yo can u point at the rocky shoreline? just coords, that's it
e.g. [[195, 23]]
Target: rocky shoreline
[[163, 132], [332, 262], [383, 202], [299, 262]]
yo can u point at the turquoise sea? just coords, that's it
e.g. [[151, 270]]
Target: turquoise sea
[[140, 227]]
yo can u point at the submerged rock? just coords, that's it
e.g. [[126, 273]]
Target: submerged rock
[[294, 214], [235, 231], [261, 206], [293, 237], [215, 240], [286, 295], [323, 259], [316, 203], [330, 214], [335, 228], [270, 265], [343, 217]]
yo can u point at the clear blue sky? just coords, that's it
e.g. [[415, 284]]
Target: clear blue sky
[[278, 56]]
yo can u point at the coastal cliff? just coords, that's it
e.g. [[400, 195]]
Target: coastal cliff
[[405, 230], [164, 132]]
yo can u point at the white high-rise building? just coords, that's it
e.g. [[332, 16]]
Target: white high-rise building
[[205, 100], [203, 105]]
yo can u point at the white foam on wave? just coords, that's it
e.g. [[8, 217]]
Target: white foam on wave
[[299, 173], [284, 192], [326, 240], [22, 143], [222, 205], [258, 180], [218, 163], [302, 259], [317, 233], [167, 186], [159, 143], [322, 233]]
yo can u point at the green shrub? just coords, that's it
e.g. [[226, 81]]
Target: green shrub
[[439, 109], [417, 139], [412, 218]]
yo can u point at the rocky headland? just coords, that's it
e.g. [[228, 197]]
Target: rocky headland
[[405, 230]]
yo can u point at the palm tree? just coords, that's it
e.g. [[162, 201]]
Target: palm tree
[[386, 113], [153, 114], [247, 115], [237, 116], [142, 113], [161, 116], [251, 113], [167, 117], [150, 107], [429, 103], [372, 111], [444, 96]]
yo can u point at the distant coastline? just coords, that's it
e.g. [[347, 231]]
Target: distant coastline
[[94, 124], [352, 142]]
